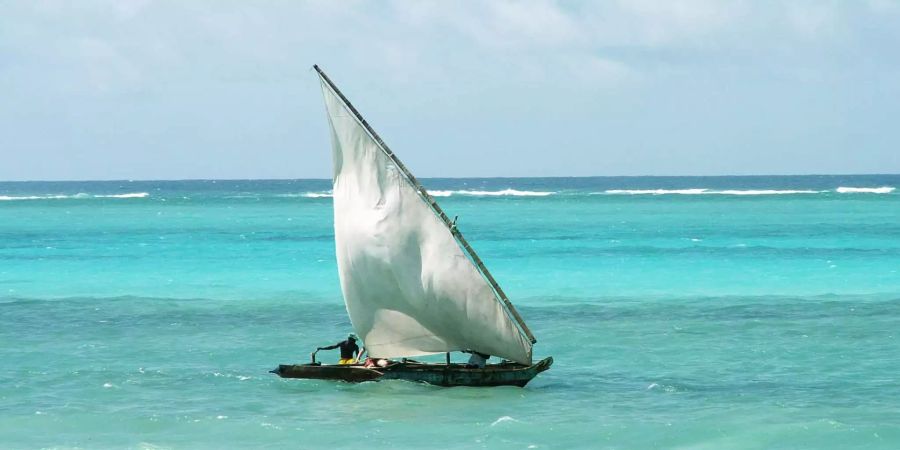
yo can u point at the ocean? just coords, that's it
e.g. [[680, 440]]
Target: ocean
[[682, 312]]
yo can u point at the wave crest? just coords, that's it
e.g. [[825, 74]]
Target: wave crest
[[703, 191], [862, 190], [323, 194], [130, 195], [78, 196], [504, 192], [653, 191], [767, 192]]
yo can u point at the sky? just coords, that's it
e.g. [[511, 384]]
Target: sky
[[199, 89]]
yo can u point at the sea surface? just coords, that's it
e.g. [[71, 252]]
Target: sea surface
[[682, 312]]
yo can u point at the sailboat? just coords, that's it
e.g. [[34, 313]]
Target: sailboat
[[412, 284]]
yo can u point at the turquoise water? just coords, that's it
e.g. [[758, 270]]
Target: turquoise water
[[683, 312]]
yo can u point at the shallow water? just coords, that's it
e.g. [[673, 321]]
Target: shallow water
[[760, 312]]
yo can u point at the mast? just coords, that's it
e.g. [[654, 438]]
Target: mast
[[423, 193]]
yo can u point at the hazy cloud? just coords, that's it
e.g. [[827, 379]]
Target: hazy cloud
[[87, 72]]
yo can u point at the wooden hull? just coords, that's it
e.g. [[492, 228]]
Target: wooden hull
[[504, 374]]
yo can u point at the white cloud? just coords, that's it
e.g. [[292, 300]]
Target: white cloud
[[518, 24], [509, 58], [127, 9], [812, 20], [504, 39], [884, 6], [664, 24]]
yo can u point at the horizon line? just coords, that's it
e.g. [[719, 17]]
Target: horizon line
[[458, 178]]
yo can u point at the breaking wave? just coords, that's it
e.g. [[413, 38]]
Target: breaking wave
[[862, 190], [708, 192], [766, 192], [504, 192], [691, 191], [653, 191], [323, 194], [131, 195], [78, 196], [317, 195]]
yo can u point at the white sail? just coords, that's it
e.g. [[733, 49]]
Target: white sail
[[409, 288]]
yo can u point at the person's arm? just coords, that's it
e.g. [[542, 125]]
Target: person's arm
[[359, 354], [330, 347]]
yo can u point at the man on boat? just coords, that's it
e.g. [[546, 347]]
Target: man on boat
[[349, 350], [477, 360]]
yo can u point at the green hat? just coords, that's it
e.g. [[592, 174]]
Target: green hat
[[352, 336]]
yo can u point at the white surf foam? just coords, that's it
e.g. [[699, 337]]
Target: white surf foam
[[317, 194], [129, 195], [323, 194], [503, 419], [80, 195], [862, 190], [504, 192], [703, 191], [765, 192], [30, 197], [655, 191]]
